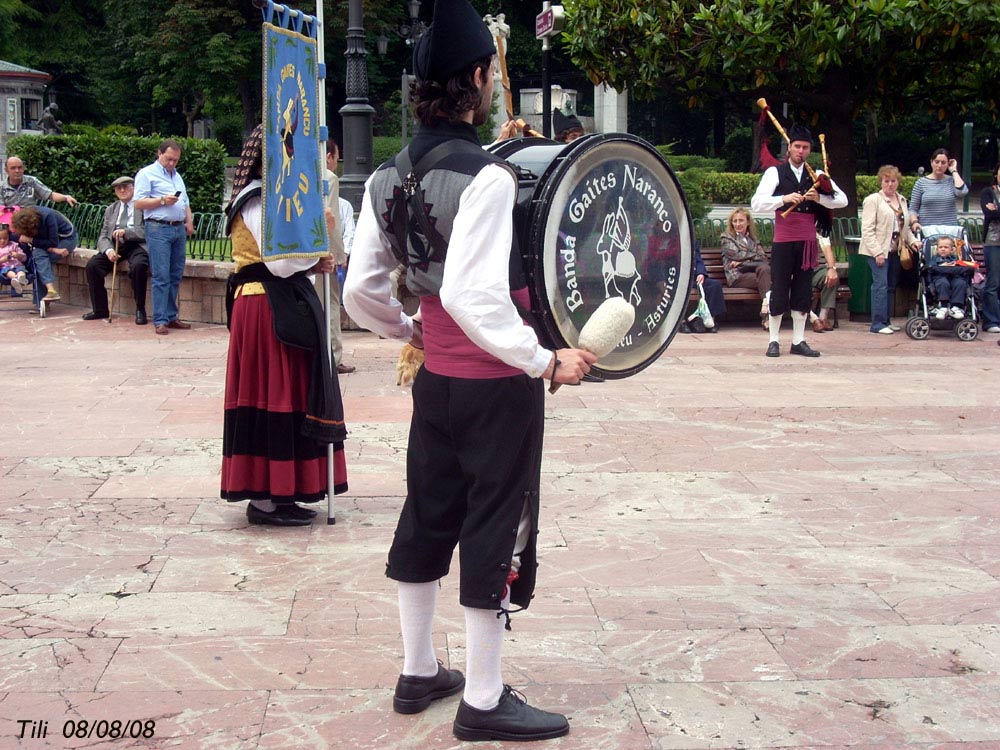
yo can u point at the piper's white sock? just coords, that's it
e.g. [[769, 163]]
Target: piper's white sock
[[798, 327], [774, 326], [483, 641], [416, 619], [265, 506]]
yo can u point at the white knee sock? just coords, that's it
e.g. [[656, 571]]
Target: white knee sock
[[416, 619], [483, 641], [798, 327], [774, 326]]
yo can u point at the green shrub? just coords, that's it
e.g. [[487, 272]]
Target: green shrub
[[681, 162], [385, 147], [692, 181], [869, 183], [84, 165], [730, 187]]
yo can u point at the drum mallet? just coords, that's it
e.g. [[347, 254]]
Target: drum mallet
[[114, 279], [605, 329]]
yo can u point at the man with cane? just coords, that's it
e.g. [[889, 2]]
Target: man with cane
[[123, 237]]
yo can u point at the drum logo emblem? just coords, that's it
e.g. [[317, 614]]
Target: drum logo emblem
[[618, 266]]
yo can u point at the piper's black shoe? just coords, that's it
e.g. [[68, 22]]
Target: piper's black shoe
[[512, 719], [294, 510], [803, 349], [276, 517], [95, 316], [414, 694], [773, 349], [140, 318]]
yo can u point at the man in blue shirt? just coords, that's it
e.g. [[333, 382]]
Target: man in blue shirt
[[161, 196]]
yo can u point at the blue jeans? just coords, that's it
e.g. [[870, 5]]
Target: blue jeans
[[884, 281], [44, 259], [167, 247], [991, 303]]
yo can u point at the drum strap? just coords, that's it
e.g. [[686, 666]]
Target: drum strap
[[411, 176]]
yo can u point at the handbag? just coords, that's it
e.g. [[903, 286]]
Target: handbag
[[701, 312], [905, 256]]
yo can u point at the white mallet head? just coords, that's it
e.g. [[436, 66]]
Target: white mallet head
[[607, 326]]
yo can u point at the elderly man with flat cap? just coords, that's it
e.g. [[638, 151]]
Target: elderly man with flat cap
[[443, 207], [795, 251], [123, 237]]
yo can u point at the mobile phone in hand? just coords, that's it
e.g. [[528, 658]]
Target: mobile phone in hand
[[177, 194]]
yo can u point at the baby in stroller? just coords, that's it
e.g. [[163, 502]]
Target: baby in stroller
[[949, 278], [944, 299]]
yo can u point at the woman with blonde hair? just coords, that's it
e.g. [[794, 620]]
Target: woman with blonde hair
[[744, 259], [885, 226]]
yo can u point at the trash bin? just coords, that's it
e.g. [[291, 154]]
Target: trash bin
[[859, 278]]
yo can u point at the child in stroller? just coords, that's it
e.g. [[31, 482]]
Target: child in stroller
[[945, 300], [949, 281], [13, 271]]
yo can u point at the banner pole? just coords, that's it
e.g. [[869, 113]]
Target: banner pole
[[325, 135]]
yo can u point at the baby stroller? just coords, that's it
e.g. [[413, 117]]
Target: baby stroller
[[961, 320]]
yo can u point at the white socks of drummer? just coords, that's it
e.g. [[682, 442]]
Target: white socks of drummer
[[483, 643], [798, 326], [416, 620]]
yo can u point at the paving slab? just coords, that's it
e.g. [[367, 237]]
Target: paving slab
[[735, 552]]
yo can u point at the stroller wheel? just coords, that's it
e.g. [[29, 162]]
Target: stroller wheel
[[918, 328], [966, 330], [43, 308]]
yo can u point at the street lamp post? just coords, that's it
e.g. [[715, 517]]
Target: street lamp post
[[357, 112], [409, 31]]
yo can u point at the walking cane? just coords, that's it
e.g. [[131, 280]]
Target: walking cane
[[114, 279]]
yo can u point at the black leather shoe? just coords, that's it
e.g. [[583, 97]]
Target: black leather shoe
[[276, 517], [803, 349], [140, 318], [773, 349], [95, 316], [414, 694], [512, 719], [294, 510]]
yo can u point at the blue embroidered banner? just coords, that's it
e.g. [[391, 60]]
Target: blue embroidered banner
[[293, 163]]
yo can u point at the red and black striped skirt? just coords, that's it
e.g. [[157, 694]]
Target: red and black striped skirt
[[264, 455]]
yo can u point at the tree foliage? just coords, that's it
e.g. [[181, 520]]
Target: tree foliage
[[829, 60]]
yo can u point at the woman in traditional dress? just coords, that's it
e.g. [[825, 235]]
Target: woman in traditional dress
[[282, 401]]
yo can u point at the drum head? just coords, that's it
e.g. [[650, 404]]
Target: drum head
[[608, 219]]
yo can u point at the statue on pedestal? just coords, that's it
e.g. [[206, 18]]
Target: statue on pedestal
[[48, 123]]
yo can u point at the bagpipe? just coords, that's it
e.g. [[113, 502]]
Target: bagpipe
[[821, 181]]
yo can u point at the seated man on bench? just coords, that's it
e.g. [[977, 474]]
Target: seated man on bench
[[123, 237]]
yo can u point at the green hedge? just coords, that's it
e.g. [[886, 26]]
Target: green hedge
[[869, 183], [84, 165]]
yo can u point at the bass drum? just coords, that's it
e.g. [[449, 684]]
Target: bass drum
[[603, 216]]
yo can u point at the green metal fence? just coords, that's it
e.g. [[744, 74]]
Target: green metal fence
[[207, 243]]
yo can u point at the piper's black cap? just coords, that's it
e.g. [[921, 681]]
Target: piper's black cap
[[561, 122], [456, 38], [799, 133]]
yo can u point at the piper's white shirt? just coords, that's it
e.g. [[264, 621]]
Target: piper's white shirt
[[475, 290], [765, 201]]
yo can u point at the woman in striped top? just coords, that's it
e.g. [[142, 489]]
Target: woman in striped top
[[934, 195]]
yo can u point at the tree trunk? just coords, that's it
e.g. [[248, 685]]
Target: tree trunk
[[836, 112], [250, 99]]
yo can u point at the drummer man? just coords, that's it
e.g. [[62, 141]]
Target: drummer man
[[474, 454]]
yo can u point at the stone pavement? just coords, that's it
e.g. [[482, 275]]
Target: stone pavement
[[736, 552]]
